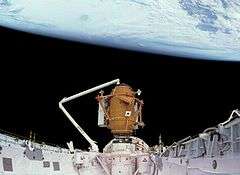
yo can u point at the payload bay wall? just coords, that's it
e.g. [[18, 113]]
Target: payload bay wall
[[215, 152], [21, 157]]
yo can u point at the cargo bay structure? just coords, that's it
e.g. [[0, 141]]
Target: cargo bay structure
[[216, 151]]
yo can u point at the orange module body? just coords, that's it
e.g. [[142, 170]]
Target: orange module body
[[122, 110]]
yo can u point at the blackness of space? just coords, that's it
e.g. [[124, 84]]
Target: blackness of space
[[182, 96]]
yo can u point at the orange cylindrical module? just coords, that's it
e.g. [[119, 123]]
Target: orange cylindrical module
[[122, 110]]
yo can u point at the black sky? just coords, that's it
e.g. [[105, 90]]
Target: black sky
[[182, 96]]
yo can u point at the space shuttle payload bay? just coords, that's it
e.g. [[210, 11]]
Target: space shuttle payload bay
[[215, 151]]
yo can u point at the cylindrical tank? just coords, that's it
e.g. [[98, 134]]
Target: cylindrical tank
[[123, 110]]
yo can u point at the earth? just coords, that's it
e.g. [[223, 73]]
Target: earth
[[201, 29]]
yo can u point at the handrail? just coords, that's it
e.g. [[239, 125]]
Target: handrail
[[236, 111]]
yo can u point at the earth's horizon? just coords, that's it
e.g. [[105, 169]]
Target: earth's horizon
[[203, 29]]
